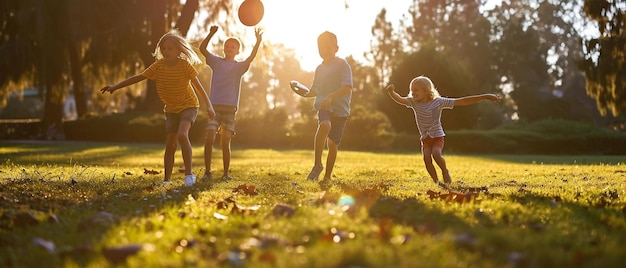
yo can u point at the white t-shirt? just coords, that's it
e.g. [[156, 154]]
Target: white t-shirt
[[428, 116]]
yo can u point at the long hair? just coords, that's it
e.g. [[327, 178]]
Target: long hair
[[187, 52], [424, 83]]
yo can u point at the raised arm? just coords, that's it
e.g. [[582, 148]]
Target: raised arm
[[468, 100], [391, 90], [205, 42], [259, 37], [129, 81]]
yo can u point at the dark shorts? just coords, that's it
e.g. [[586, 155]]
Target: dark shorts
[[337, 124], [225, 117], [172, 120], [430, 142]]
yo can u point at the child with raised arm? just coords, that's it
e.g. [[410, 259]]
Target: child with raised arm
[[332, 89], [178, 88], [427, 106], [224, 94]]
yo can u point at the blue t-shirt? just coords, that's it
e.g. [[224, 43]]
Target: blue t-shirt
[[329, 77], [226, 80]]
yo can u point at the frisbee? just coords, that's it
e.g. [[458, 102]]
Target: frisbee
[[251, 12], [299, 88]]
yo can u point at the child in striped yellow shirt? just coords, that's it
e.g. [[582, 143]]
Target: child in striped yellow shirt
[[178, 88]]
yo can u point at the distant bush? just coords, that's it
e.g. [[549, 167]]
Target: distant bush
[[542, 137], [365, 131]]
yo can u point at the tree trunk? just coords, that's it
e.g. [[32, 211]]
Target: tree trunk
[[77, 79], [152, 103], [53, 116], [186, 16]]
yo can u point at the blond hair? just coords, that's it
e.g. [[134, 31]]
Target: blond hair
[[186, 51], [425, 84]]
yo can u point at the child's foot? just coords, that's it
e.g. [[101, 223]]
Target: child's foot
[[207, 176], [446, 177], [315, 173], [190, 180], [166, 182], [226, 177]]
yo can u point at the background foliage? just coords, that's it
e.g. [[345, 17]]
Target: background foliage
[[540, 54]]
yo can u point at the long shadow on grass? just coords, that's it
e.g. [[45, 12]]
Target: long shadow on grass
[[89, 153], [530, 230], [556, 159], [77, 221]]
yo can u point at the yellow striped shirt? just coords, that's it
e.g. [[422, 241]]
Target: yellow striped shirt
[[173, 84]]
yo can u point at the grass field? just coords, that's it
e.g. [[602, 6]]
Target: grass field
[[99, 205]]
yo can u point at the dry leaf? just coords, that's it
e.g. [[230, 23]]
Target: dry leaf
[[220, 216], [118, 255], [47, 245], [150, 172]]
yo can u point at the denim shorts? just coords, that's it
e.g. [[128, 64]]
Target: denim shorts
[[224, 118], [172, 120], [337, 124]]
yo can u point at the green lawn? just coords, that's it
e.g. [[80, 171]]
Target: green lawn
[[99, 204]]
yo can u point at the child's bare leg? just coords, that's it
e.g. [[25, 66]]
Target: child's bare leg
[[208, 152], [185, 145], [320, 140], [226, 137], [428, 162], [330, 159], [168, 157], [441, 162]]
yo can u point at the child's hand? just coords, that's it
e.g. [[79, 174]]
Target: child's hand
[[493, 97], [210, 112], [213, 29], [105, 89], [391, 88], [258, 32]]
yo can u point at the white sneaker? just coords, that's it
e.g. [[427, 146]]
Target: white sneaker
[[190, 180]]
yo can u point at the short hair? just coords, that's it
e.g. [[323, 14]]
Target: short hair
[[327, 37], [187, 52], [424, 83]]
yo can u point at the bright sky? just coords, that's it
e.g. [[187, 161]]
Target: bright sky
[[297, 23]]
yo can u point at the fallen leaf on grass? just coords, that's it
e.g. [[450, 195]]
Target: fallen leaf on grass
[[47, 245], [220, 216], [246, 189], [453, 196], [268, 257], [243, 209], [283, 210], [118, 255], [150, 172], [102, 219]]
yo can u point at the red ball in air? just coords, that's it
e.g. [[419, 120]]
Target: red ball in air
[[251, 12]]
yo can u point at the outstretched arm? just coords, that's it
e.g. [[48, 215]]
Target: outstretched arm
[[259, 36], [391, 90], [205, 42], [129, 81], [468, 100]]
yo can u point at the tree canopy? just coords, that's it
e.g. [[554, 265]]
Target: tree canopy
[[605, 56]]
